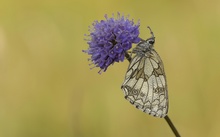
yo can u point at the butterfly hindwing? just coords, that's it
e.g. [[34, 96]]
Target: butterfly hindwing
[[145, 84]]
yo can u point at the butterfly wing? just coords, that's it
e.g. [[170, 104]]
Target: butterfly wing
[[145, 84]]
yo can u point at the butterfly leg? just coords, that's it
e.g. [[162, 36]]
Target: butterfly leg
[[128, 55]]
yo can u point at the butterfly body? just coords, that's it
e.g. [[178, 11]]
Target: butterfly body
[[145, 83]]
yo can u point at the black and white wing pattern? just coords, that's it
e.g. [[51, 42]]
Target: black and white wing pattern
[[145, 84]]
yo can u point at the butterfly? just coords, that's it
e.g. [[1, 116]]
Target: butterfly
[[145, 84]]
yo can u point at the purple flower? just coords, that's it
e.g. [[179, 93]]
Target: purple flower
[[109, 40]]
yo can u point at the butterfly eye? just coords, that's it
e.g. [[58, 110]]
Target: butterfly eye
[[151, 42]]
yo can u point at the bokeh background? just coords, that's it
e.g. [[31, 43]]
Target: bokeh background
[[48, 90]]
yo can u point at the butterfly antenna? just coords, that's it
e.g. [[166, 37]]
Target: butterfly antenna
[[151, 32]]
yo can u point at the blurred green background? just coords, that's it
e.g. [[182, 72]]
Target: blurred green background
[[48, 90]]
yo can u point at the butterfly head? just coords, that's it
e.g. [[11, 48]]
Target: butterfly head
[[145, 45], [150, 41]]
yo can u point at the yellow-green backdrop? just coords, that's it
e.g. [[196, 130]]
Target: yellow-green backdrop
[[48, 90]]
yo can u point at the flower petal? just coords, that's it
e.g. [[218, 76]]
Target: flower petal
[[109, 39]]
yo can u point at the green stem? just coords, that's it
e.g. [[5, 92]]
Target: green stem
[[176, 133]]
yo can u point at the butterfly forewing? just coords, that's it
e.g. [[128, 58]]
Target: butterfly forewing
[[145, 84]]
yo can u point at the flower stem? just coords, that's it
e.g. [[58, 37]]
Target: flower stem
[[176, 133], [169, 122]]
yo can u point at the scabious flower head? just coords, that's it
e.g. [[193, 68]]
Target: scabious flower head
[[109, 40]]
